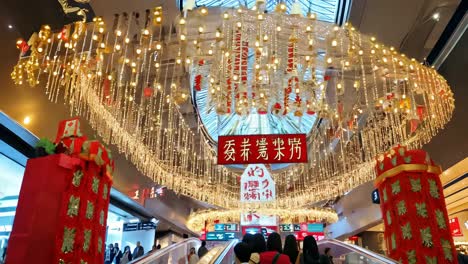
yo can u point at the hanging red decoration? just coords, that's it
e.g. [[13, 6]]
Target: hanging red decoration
[[414, 123], [106, 91], [420, 111], [198, 80], [148, 92]]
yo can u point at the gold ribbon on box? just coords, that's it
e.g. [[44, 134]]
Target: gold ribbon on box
[[408, 168]]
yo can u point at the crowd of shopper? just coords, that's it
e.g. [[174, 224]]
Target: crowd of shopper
[[254, 250], [114, 255]]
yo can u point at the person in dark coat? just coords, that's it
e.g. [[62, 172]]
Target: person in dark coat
[[310, 253], [117, 253], [138, 251], [109, 254], [202, 250], [291, 248]]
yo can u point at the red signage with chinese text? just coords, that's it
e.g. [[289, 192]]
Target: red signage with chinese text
[[266, 149], [455, 227], [302, 234]]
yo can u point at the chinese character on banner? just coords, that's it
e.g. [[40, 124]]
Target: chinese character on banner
[[264, 149], [229, 152], [257, 184]]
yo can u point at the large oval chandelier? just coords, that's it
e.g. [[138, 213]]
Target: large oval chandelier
[[353, 96]]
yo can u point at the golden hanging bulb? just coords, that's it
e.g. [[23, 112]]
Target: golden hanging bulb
[[334, 43], [281, 8], [260, 17], [312, 16], [182, 21], [226, 15], [204, 11], [200, 29]]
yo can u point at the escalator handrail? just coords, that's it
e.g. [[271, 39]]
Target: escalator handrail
[[220, 256], [163, 251], [363, 251]]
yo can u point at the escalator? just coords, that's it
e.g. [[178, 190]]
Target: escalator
[[175, 253], [344, 253], [222, 254]]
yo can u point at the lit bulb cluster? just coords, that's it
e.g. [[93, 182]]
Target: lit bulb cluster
[[366, 97]]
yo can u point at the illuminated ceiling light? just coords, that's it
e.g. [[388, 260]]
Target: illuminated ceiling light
[[436, 16], [27, 120], [10, 26]]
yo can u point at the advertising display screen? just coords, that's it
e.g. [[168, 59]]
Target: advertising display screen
[[219, 227], [286, 227], [315, 227], [231, 227], [220, 236]]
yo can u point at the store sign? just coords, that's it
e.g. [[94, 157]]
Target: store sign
[[225, 227], [220, 236], [315, 228], [286, 227], [257, 184], [455, 227], [141, 195], [254, 219], [138, 226], [264, 230], [302, 234], [267, 149], [305, 227]]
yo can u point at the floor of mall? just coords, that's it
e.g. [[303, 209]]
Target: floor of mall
[[222, 131]]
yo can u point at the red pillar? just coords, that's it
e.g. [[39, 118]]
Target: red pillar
[[413, 208]]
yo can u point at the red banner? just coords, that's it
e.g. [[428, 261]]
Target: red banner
[[262, 149], [455, 227]]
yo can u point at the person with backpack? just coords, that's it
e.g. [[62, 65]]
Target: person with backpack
[[310, 253], [274, 255]]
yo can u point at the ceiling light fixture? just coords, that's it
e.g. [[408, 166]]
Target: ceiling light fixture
[[436, 16], [27, 120]]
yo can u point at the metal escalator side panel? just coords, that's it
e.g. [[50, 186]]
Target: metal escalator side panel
[[211, 255], [169, 254], [349, 249], [227, 254]]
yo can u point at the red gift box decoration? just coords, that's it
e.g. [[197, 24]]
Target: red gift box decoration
[[63, 203]]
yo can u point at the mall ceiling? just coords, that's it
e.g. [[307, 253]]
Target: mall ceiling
[[409, 25]]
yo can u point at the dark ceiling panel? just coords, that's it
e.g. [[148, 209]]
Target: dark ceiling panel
[[28, 16]]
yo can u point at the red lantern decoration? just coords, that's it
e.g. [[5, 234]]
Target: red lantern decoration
[[148, 92], [198, 80]]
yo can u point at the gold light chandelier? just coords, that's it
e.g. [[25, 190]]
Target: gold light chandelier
[[205, 219], [132, 82]]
